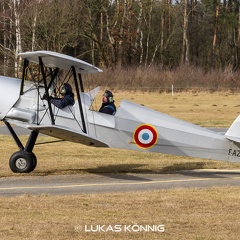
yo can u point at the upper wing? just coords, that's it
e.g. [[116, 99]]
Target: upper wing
[[58, 60]]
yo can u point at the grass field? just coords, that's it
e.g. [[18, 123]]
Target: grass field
[[212, 213], [185, 213]]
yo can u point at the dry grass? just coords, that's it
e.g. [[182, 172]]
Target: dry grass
[[184, 78], [186, 213]]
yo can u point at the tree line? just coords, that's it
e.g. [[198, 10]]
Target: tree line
[[126, 33]]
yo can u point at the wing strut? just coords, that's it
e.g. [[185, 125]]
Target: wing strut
[[79, 98], [25, 66], [46, 90]]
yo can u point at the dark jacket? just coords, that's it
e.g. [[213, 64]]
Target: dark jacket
[[67, 100], [108, 108]]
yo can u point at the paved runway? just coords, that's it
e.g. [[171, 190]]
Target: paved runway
[[109, 183]]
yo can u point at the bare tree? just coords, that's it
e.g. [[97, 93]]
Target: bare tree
[[185, 47], [138, 45], [238, 41], [149, 27], [4, 46], [215, 28]]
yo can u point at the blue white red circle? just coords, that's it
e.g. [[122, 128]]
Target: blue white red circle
[[145, 136]]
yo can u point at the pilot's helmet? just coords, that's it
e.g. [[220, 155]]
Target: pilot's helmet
[[108, 94], [66, 89]]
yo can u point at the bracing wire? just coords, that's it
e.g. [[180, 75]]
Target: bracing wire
[[93, 86]]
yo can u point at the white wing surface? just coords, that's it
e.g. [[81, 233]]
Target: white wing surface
[[58, 60]]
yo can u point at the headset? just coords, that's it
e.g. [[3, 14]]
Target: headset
[[110, 99], [66, 88], [108, 94], [63, 91]]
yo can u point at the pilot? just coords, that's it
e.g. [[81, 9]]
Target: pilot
[[67, 99], [108, 105]]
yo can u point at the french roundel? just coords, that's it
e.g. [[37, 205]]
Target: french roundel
[[145, 136]]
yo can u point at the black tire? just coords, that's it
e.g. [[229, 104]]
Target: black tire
[[22, 162], [34, 158]]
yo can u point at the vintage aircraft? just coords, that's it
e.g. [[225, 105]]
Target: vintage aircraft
[[26, 102]]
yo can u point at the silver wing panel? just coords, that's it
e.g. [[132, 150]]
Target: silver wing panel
[[62, 61], [68, 135]]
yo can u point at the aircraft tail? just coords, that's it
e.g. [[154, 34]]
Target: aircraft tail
[[233, 132]]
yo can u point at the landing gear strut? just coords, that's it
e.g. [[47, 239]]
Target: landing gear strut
[[23, 161]]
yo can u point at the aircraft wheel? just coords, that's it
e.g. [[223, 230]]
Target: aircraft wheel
[[22, 162], [34, 159]]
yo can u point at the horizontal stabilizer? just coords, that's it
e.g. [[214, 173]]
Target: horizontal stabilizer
[[235, 139]]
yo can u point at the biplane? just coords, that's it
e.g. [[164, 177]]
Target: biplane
[[26, 102]]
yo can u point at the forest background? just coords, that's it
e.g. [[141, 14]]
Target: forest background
[[148, 45]]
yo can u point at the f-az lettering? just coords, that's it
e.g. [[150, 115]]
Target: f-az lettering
[[234, 153]]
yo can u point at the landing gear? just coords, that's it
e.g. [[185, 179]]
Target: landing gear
[[23, 161]]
